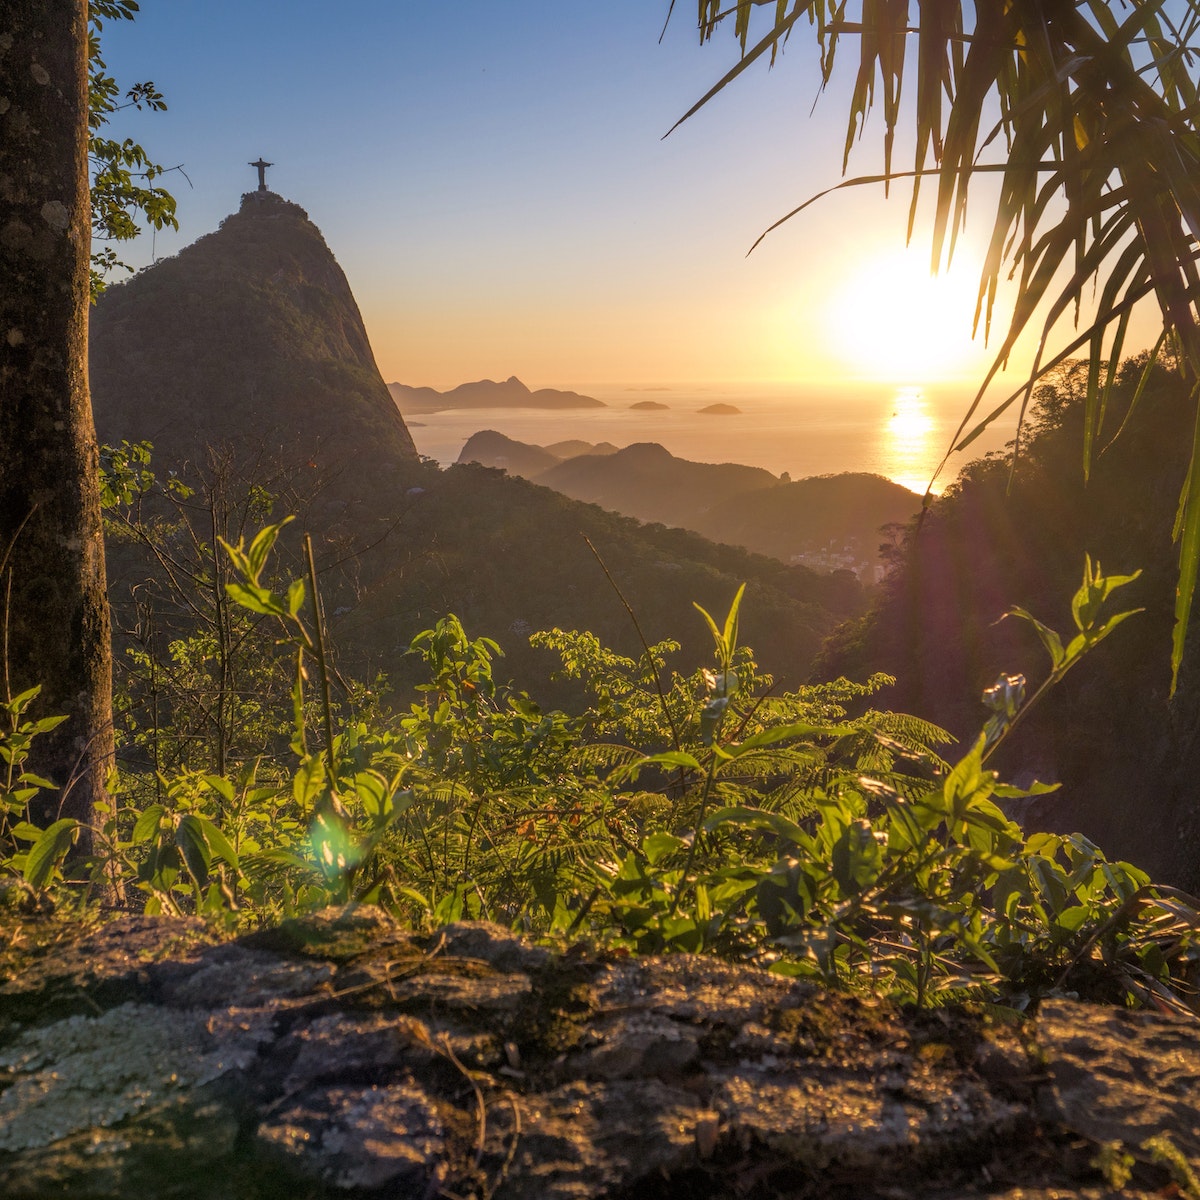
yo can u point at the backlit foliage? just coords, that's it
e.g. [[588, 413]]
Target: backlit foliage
[[1082, 116], [702, 812]]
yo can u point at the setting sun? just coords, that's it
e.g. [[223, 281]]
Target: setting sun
[[892, 320]]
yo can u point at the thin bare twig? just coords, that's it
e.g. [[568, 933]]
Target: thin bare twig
[[662, 699]]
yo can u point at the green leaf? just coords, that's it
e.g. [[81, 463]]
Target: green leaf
[[659, 845], [20, 702], [222, 786], [45, 725], [372, 790], [309, 781], [255, 599], [219, 843], [286, 858], [1072, 919], [147, 824], [48, 851], [1049, 638], [1007, 791], [192, 841], [262, 546], [758, 818], [295, 596], [857, 857], [966, 781], [237, 556], [416, 897], [25, 832], [712, 628], [38, 782], [1100, 634], [781, 733], [669, 758], [729, 634]]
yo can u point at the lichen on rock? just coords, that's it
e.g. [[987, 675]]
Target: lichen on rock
[[89, 1073]]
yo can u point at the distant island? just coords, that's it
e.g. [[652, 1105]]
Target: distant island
[[486, 393], [722, 410], [648, 406]]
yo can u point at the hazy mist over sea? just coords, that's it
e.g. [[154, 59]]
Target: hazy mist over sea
[[805, 430]]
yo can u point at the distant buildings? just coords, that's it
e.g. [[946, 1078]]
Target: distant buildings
[[846, 557]]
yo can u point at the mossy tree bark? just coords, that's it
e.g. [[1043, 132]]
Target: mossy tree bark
[[52, 585]]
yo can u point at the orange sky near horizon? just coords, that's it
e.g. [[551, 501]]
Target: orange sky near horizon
[[880, 317]]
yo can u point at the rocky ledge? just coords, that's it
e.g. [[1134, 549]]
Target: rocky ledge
[[342, 1056]]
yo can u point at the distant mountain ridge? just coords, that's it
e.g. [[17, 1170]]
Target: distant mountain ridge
[[487, 393], [492, 449], [648, 482], [828, 522]]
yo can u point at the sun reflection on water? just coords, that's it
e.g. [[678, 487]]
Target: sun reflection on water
[[910, 440]]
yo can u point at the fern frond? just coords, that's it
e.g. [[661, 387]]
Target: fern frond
[[602, 756]]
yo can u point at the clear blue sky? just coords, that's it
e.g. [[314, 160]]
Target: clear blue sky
[[493, 180]]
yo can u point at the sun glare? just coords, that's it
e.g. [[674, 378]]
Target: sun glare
[[909, 439], [893, 321], [910, 423]]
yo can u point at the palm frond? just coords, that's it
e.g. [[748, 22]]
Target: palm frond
[[1098, 150]]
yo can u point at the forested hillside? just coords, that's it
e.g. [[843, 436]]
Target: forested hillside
[[828, 522], [1010, 534], [816, 520]]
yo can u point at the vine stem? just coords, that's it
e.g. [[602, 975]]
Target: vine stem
[[322, 666], [662, 699], [694, 848]]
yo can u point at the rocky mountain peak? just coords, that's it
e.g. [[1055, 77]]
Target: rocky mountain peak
[[248, 339]]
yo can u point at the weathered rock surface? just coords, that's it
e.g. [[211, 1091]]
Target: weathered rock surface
[[342, 1056]]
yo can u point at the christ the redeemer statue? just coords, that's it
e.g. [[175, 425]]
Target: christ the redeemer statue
[[262, 172]]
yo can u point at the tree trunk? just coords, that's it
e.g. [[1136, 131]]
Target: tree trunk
[[52, 586]]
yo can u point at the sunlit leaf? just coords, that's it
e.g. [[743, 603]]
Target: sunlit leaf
[[48, 851], [147, 824]]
